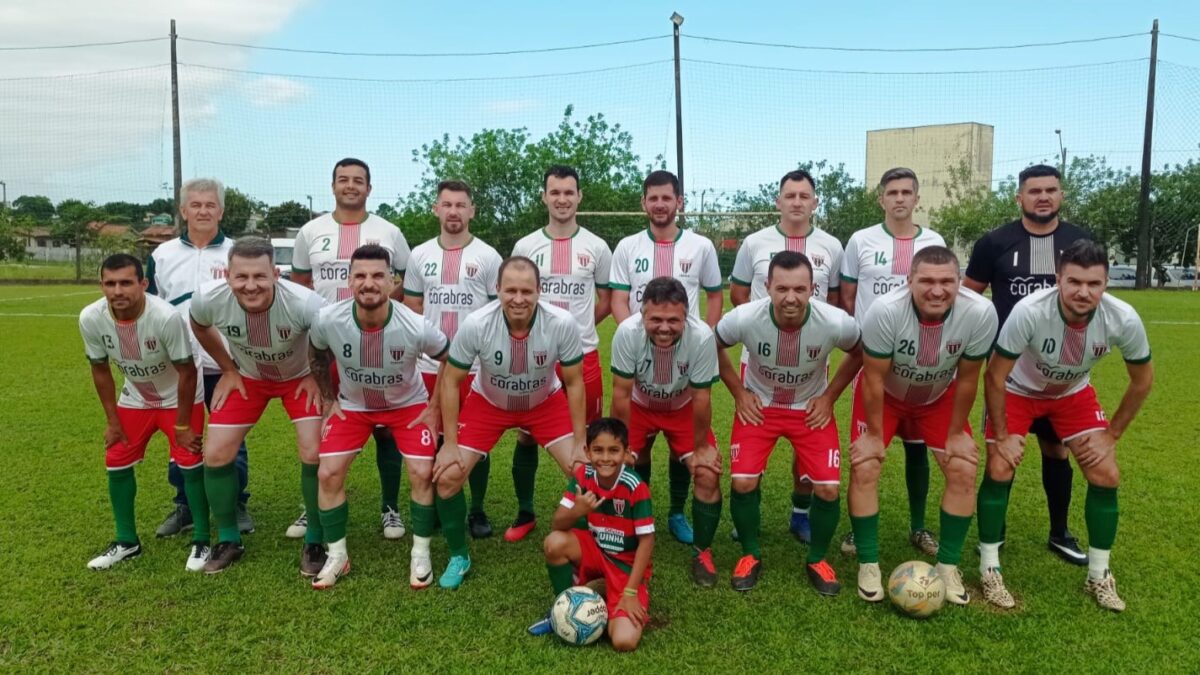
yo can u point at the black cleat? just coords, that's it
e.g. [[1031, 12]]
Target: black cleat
[[1066, 547], [479, 525]]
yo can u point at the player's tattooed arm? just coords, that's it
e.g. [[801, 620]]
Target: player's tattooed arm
[[321, 363]]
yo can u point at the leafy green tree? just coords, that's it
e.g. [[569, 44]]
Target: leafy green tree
[[125, 212], [285, 215], [12, 235], [37, 207], [71, 227], [238, 208], [971, 209]]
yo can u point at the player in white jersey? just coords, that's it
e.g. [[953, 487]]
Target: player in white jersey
[[574, 265], [375, 342], [148, 341], [666, 250], [174, 270], [517, 341], [1044, 356], [664, 363], [321, 261], [266, 322], [451, 276], [877, 261], [784, 395], [925, 343], [797, 200]]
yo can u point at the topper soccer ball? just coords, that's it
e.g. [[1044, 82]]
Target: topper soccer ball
[[916, 589], [579, 616]]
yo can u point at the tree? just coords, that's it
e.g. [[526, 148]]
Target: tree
[[71, 227], [37, 207], [238, 208], [162, 205], [844, 207], [288, 214], [12, 235], [125, 212], [972, 209]]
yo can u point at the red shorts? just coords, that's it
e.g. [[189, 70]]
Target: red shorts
[[244, 412], [139, 424], [1071, 416], [430, 379], [817, 451], [480, 424], [929, 422], [593, 386], [676, 425], [348, 436], [595, 564]]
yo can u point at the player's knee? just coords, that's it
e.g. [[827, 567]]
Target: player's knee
[[997, 469], [555, 544], [448, 487], [827, 492], [960, 474], [865, 474], [625, 642], [1106, 474], [419, 471], [743, 484], [327, 473]]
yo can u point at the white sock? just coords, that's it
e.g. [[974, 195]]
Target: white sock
[[989, 557], [1097, 562], [338, 546], [799, 510], [420, 547]]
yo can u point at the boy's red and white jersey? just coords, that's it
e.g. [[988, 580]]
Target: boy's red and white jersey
[[572, 268], [324, 246], [145, 351], [268, 345], [1054, 358]]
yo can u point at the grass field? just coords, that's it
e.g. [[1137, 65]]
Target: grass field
[[149, 615], [37, 270]]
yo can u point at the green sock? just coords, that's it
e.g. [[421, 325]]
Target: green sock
[[478, 481], [992, 507], [747, 518], [824, 518], [221, 486], [193, 488], [391, 469], [916, 477], [645, 471], [308, 489], [866, 537], [122, 488], [423, 516], [802, 501], [953, 535], [679, 484], [333, 522], [561, 577], [705, 517], [1100, 512], [453, 514], [524, 475]]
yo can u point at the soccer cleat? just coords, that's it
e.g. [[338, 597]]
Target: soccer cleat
[[420, 571], [848, 548], [521, 527], [393, 526], [745, 575], [244, 521], [299, 527], [336, 565], [800, 527], [115, 553], [823, 578], [456, 569], [197, 557], [1105, 592], [680, 528], [951, 576], [994, 591], [541, 627], [704, 572], [479, 525], [1067, 548], [924, 541], [312, 560], [223, 555], [870, 588], [178, 520]]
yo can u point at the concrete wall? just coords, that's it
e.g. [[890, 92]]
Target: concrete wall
[[931, 151]]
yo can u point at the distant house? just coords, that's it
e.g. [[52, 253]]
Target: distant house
[[152, 236]]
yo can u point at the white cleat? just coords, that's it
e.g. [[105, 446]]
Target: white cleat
[[870, 588], [115, 553], [1105, 592], [299, 527], [951, 576], [994, 591], [337, 565], [197, 557], [420, 572], [393, 526]]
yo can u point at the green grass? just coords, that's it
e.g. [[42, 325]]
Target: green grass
[[149, 615], [32, 270]]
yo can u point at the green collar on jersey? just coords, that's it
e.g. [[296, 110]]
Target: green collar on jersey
[[354, 314], [1063, 314], [532, 319], [438, 239], [807, 313], [912, 301], [546, 234], [217, 240], [811, 228], [650, 233], [889, 232]]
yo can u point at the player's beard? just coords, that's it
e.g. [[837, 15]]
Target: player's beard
[[1040, 219]]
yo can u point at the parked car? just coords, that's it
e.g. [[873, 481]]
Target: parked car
[[284, 248], [1122, 276]]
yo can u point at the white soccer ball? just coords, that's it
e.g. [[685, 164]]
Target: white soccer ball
[[579, 616], [916, 589]]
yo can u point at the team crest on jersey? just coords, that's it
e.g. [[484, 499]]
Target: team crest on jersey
[[683, 368], [1099, 349], [540, 358], [685, 264], [817, 259], [953, 346], [584, 259], [813, 352], [472, 269], [397, 353], [151, 344], [284, 332], [618, 506]]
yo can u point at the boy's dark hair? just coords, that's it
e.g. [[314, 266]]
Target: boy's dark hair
[[350, 161], [560, 171], [119, 261], [371, 252], [1085, 253], [608, 425], [789, 260], [664, 290], [657, 178], [1037, 171]]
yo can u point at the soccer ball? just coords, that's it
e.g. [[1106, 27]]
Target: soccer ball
[[916, 589], [579, 616]]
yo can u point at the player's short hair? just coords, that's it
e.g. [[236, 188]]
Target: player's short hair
[[896, 174], [519, 261], [119, 261], [608, 425], [798, 175], [934, 255], [351, 161], [660, 177], [1037, 171], [789, 260], [1085, 253], [204, 185], [455, 186], [663, 291], [560, 171], [371, 252], [252, 247]]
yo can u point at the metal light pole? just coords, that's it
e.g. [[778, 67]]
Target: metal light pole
[[676, 22], [1062, 151], [310, 211], [4, 199]]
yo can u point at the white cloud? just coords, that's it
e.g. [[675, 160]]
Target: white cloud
[[511, 106], [271, 90]]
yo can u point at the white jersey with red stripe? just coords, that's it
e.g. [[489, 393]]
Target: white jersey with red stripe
[[269, 345], [664, 377], [879, 262], [177, 268], [377, 369], [572, 268], [925, 355], [1054, 358], [452, 283], [145, 351], [516, 374], [324, 247], [690, 258], [753, 259], [787, 367]]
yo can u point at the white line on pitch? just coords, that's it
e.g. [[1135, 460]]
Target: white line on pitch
[[1175, 323], [39, 297], [64, 316]]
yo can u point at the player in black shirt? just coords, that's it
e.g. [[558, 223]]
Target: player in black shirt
[[1017, 259]]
